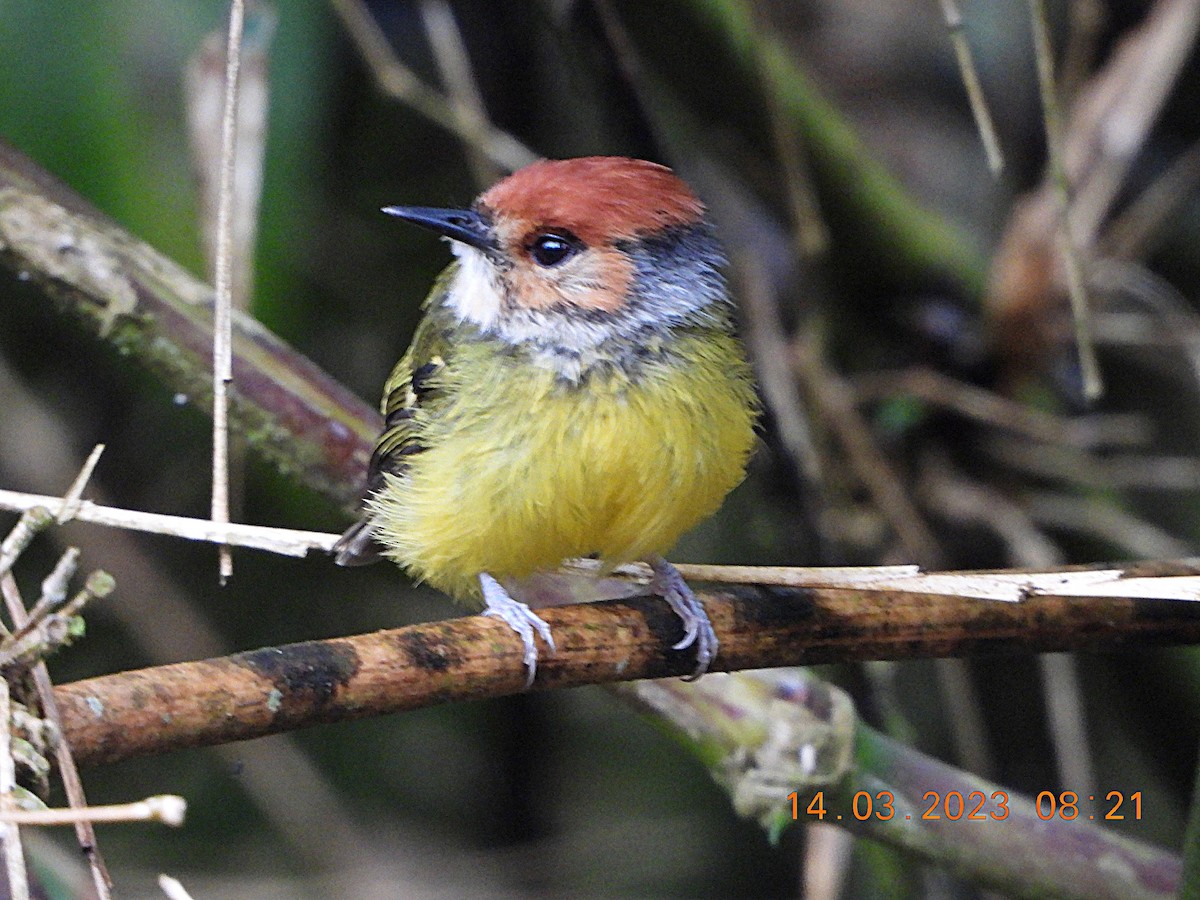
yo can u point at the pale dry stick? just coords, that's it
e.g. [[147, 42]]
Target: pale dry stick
[[173, 888], [36, 516], [775, 576], [14, 856], [69, 502], [204, 95], [169, 809], [827, 857], [970, 79], [223, 303], [283, 541], [1066, 720], [33, 519], [454, 66], [54, 591], [1006, 586], [401, 83], [1093, 386]]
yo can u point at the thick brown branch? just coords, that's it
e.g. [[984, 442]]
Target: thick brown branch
[[161, 315], [262, 692]]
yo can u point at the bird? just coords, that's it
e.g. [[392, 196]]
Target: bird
[[576, 387]]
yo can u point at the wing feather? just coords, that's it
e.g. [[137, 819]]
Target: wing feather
[[412, 386]]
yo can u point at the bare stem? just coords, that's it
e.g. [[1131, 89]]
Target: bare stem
[[223, 311], [1093, 386], [168, 809], [970, 77]]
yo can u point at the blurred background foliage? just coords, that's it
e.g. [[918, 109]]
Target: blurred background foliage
[[569, 793]]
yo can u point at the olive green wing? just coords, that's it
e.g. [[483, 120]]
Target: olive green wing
[[413, 385]]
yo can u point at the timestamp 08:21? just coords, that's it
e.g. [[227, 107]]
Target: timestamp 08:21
[[975, 806]]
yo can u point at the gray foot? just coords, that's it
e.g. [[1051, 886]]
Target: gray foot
[[697, 629], [519, 617]]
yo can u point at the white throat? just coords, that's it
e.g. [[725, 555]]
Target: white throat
[[474, 294]]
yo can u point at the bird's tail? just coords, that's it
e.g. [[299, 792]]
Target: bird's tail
[[357, 546]]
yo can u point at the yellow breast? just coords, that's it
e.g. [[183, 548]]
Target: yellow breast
[[521, 472]]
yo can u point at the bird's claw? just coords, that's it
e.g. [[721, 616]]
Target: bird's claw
[[697, 629], [520, 618]]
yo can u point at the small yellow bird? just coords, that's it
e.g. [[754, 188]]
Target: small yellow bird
[[575, 388]]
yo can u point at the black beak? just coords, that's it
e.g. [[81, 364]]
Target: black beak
[[464, 225]]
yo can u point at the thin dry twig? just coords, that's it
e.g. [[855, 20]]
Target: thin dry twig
[[173, 888], [54, 592], [33, 519], [970, 79], [169, 809], [204, 97], [69, 503], [284, 541], [223, 311], [1089, 365], [454, 66], [401, 83]]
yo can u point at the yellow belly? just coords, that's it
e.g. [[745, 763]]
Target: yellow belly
[[521, 472]]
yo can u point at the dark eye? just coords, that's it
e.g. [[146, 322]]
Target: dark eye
[[551, 249]]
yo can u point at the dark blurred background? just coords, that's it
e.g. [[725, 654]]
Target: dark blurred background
[[570, 793]]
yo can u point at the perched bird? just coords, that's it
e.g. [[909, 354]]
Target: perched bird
[[575, 388]]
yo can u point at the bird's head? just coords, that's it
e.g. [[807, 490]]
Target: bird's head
[[567, 255]]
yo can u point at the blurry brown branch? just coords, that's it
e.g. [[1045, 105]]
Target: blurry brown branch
[[276, 689], [160, 315], [454, 113]]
